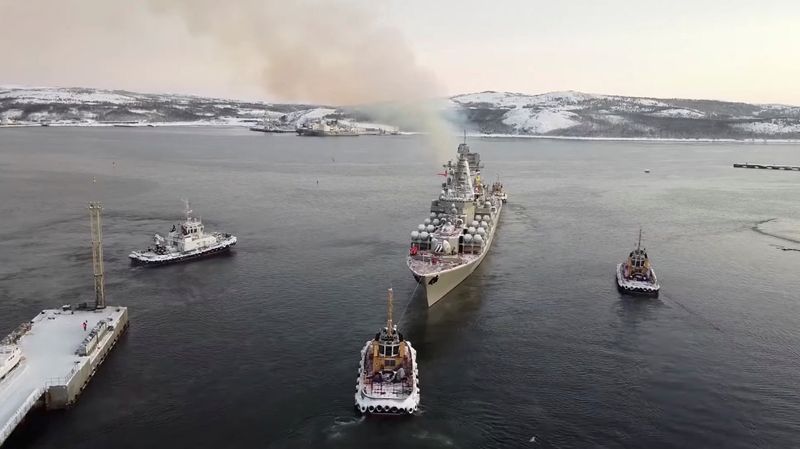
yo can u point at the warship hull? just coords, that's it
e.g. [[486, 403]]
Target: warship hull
[[438, 284], [319, 133], [153, 259], [261, 129]]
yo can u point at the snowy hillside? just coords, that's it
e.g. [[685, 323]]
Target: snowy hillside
[[80, 106], [571, 114], [588, 115]]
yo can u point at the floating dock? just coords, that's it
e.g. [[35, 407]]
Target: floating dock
[[58, 358], [768, 167], [49, 360]]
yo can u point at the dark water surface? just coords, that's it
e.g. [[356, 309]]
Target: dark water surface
[[259, 349]]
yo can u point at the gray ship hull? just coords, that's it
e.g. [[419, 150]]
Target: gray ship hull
[[438, 285]]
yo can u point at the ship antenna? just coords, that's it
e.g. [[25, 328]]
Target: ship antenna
[[187, 209], [95, 208], [389, 325], [465, 135], [639, 245]]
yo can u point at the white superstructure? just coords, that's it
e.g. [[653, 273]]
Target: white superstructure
[[448, 246], [189, 241], [328, 128], [10, 356]]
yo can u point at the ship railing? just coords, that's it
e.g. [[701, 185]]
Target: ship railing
[[388, 389]]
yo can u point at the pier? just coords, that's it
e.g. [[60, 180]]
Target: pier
[[49, 360], [768, 166]]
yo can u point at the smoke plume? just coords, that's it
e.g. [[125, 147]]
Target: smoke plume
[[320, 52]]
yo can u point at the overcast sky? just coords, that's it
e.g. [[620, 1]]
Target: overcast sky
[[729, 50]]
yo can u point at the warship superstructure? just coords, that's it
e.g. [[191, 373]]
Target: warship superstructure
[[636, 275], [388, 378], [452, 242], [190, 241], [272, 126], [327, 128]]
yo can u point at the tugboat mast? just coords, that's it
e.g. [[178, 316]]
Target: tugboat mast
[[95, 208], [187, 209], [639, 245], [389, 324]]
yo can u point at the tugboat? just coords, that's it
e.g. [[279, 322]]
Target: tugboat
[[10, 356], [388, 379], [188, 242], [636, 275], [449, 245], [499, 192]]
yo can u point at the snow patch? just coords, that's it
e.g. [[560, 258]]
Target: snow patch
[[66, 96], [771, 127], [678, 113], [539, 122]]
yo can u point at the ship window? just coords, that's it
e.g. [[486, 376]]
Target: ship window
[[388, 362]]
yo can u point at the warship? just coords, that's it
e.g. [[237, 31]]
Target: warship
[[448, 246], [636, 275], [272, 126], [388, 378], [189, 242], [327, 128]]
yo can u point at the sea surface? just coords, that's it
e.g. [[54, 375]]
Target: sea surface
[[259, 349]]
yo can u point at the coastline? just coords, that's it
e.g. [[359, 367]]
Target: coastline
[[241, 124]]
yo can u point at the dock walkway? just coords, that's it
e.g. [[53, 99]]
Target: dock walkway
[[768, 167]]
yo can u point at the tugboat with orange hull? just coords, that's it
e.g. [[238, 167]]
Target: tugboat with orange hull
[[636, 275], [388, 378]]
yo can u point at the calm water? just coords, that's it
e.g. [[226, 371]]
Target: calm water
[[259, 349]]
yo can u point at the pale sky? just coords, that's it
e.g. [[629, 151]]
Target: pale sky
[[727, 50]]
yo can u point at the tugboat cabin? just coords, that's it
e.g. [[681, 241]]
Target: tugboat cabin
[[192, 226], [638, 264]]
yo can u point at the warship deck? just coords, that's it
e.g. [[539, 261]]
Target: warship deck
[[421, 264]]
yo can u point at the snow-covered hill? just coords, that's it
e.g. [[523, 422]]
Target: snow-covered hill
[[587, 115], [81, 106], [571, 114]]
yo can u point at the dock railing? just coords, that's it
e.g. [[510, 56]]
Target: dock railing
[[23, 409]]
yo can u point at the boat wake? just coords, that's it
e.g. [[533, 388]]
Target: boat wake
[[341, 424], [694, 313], [780, 228], [441, 439]]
